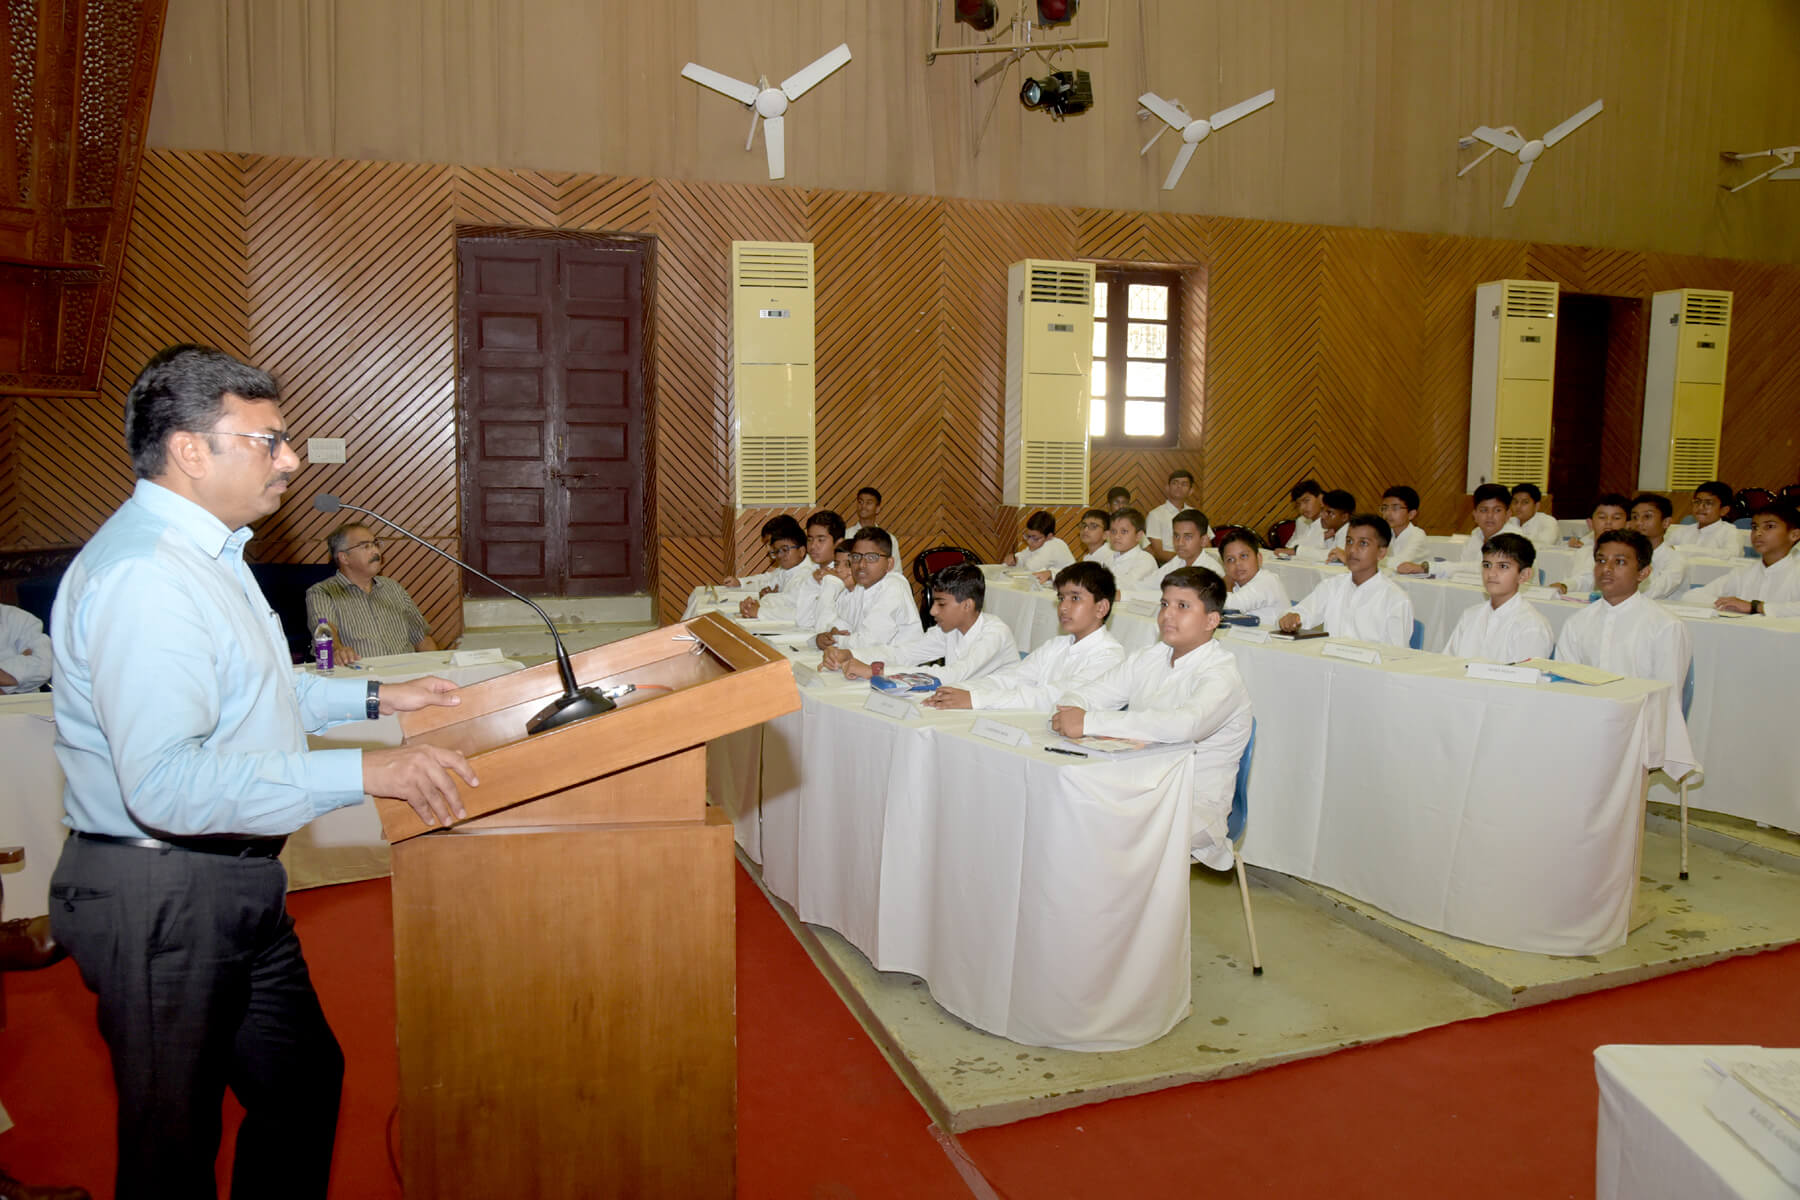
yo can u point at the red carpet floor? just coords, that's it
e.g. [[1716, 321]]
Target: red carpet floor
[[1501, 1107]]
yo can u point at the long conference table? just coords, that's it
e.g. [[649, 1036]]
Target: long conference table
[[342, 846], [1745, 671]]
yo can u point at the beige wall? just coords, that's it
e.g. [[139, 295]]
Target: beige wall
[[1372, 95]]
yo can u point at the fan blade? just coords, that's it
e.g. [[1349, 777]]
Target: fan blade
[[1173, 117], [1476, 161], [1573, 123], [754, 117], [1512, 143], [801, 81], [1181, 162], [725, 85], [772, 142], [1512, 193], [1787, 173], [1243, 108]]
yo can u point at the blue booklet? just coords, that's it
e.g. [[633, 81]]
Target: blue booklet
[[905, 683]]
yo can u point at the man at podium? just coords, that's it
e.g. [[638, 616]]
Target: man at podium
[[181, 727]]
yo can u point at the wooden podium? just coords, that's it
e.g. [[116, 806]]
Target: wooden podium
[[564, 959]]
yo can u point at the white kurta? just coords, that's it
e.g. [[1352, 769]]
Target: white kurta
[[806, 601], [1376, 611], [1635, 638], [1540, 530], [1198, 697], [1060, 665], [1721, 539], [1134, 568], [1469, 558], [1668, 574], [1511, 633], [24, 650], [1581, 576], [881, 615], [1053, 555], [1263, 597], [1304, 528], [1407, 546], [986, 646], [1776, 585], [1159, 523]]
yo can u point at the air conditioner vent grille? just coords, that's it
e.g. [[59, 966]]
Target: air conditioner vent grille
[[1522, 460], [1692, 462], [1524, 299], [1706, 308], [1059, 285], [775, 470], [761, 264], [1054, 473]]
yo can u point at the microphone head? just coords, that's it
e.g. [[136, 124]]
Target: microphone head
[[326, 502]]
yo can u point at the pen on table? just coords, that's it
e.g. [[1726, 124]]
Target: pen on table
[[1060, 750]]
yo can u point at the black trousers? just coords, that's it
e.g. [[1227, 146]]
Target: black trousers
[[201, 987]]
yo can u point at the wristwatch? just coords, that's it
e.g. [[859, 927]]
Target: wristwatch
[[372, 708], [1756, 607]]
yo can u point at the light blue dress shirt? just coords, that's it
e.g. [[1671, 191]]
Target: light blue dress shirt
[[178, 711]]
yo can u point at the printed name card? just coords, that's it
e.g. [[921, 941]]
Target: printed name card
[[1503, 673], [1241, 634], [1360, 654], [997, 731], [476, 658], [891, 706]]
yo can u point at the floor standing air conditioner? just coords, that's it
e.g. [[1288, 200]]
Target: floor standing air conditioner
[[1049, 349], [772, 434], [1510, 386], [1684, 389]]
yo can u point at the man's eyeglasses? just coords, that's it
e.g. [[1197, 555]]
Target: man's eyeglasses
[[784, 548], [274, 441], [859, 558], [359, 545]]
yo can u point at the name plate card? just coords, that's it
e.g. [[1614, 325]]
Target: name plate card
[[1359, 654], [997, 731], [891, 706], [476, 658], [1503, 673], [1242, 634]]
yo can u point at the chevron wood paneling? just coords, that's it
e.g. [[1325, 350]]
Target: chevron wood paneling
[[1338, 353]]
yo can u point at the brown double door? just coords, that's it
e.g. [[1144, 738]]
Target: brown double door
[[551, 400]]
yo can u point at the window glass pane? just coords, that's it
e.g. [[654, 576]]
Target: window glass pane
[[1146, 341], [1144, 379], [1144, 418], [1100, 299], [1100, 339], [1097, 376], [1149, 301], [1097, 417]]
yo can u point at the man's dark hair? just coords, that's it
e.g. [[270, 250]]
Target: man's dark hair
[[1092, 578], [1492, 491], [1306, 487], [1117, 493], [1513, 546], [1784, 509], [1341, 500], [1099, 514], [876, 536], [1640, 545], [829, 521], [1200, 580], [1384, 533], [1713, 487], [1181, 473], [337, 539], [1404, 495], [1528, 489], [1660, 503], [1127, 514], [1191, 516], [182, 389], [844, 546], [1238, 534], [869, 491], [783, 526], [961, 581], [1616, 500], [1041, 522]]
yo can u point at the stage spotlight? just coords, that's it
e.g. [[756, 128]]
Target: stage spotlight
[[1063, 94], [977, 14], [1056, 12]]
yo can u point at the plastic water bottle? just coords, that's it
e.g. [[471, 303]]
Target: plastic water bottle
[[323, 650]]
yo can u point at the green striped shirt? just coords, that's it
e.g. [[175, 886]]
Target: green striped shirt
[[382, 620]]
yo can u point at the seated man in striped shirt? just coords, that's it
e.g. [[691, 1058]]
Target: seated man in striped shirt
[[369, 614]]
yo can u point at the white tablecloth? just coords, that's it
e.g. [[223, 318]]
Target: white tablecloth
[[1406, 785], [342, 846], [1042, 898], [1656, 1138]]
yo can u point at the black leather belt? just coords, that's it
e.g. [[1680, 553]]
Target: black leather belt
[[230, 847]]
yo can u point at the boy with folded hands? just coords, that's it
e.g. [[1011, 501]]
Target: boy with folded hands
[[1086, 650], [1186, 688], [1507, 629], [970, 642]]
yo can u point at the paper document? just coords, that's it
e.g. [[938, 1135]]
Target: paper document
[[1569, 672]]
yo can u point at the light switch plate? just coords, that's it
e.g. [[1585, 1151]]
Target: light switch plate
[[324, 450]]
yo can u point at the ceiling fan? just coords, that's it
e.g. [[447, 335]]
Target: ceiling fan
[[769, 103], [1193, 130], [1784, 167], [1512, 141]]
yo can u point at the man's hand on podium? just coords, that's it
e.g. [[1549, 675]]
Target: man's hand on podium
[[415, 694], [419, 775]]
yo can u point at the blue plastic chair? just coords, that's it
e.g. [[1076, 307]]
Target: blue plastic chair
[[1417, 640], [1234, 833]]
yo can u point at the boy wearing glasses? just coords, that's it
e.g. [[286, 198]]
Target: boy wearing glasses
[[369, 614], [879, 611]]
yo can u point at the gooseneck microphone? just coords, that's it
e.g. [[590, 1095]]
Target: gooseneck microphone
[[576, 703]]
